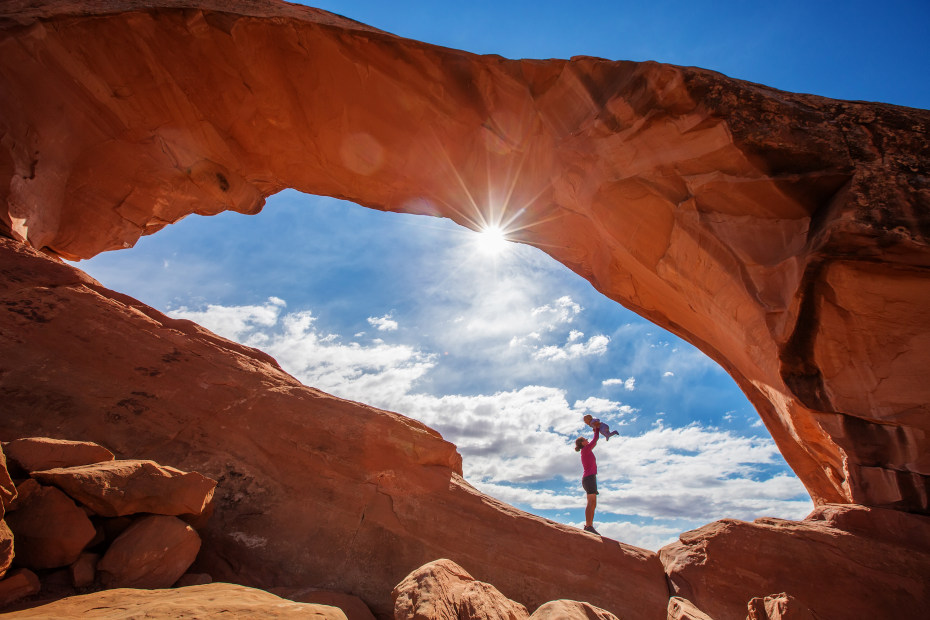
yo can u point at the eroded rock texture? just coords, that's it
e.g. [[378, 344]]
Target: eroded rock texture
[[785, 235]]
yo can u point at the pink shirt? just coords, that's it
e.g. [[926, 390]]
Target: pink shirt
[[587, 457]]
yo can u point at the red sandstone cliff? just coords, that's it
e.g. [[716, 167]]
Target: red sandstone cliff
[[785, 235]]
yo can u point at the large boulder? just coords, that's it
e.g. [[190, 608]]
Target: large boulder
[[18, 584], [152, 553], [872, 571], [571, 610], [443, 590], [125, 487], [49, 529], [37, 453], [215, 600]]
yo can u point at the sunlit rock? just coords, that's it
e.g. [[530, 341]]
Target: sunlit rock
[[125, 487], [841, 562], [37, 453], [204, 601], [443, 589]]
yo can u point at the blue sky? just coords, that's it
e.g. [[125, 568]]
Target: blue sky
[[504, 352]]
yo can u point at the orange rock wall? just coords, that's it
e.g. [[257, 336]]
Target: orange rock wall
[[785, 235]]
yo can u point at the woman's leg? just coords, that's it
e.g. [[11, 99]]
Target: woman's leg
[[589, 510]]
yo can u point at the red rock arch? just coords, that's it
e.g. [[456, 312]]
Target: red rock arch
[[784, 235]]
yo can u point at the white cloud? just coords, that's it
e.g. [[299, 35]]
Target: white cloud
[[515, 439], [668, 373], [384, 323], [562, 310], [629, 384], [233, 322], [596, 345]]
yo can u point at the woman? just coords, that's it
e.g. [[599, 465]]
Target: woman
[[589, 478]]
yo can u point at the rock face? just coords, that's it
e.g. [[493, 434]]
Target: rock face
[[206, 601], [785, 235], [301, 499], [125, 487], [841, 562]]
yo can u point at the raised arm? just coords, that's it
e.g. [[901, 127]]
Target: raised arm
[[597, 433]]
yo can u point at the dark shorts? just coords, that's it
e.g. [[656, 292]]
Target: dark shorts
[[589, 483]]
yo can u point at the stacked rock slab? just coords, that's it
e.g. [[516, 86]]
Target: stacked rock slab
[[784, 235], [58, 514]]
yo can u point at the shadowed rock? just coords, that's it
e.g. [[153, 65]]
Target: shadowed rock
[[49, 529], [152, 553]]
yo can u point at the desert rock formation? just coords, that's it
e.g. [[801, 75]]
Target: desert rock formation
[[784, 235]]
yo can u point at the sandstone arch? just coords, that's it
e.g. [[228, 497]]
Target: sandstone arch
[[785, 235], [754, 223]]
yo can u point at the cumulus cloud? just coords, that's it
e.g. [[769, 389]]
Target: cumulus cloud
[[384, 323], [629, 384], [512, 441], [562, 310], [596, 345], [233, 322]]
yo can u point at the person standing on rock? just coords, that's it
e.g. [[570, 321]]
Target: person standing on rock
[[589, 478]]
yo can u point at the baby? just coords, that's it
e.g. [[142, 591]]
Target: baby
[[601, 427]]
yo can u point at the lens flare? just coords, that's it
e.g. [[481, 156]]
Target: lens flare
[[491, 240]]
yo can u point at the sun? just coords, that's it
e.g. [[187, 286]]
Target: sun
[[491, 240]]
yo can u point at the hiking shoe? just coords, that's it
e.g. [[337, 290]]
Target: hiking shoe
[[590, 528]]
